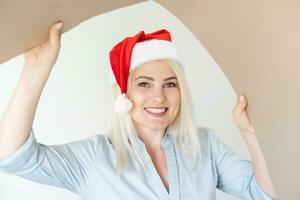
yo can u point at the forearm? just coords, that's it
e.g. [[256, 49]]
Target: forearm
[[18, 116], [260, 167]]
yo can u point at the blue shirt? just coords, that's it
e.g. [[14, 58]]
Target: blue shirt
[[88, 168]]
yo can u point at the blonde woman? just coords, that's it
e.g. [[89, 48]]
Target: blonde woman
[[153, 149]]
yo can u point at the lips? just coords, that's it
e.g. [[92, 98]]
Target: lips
[[157, 112]]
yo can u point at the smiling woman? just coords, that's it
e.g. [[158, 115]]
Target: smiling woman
[[161, 100], [153, 150]]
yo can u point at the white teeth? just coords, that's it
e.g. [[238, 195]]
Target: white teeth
[[156, 110]]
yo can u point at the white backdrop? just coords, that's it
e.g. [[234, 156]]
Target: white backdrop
[[76, 100]]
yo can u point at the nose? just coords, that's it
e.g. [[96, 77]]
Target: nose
[[159, 95]]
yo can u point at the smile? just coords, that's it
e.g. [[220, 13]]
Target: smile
[[157, 112]]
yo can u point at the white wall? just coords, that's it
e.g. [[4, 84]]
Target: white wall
[[75, 103]]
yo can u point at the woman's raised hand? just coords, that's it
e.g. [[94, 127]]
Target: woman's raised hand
[[43, 57], [241, 117]]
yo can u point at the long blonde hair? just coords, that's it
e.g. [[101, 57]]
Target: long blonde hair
[[183, 129]]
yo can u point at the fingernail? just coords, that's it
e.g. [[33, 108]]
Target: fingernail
[[59, 25], [241, 98]]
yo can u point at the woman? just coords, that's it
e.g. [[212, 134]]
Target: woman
[[153, 150]]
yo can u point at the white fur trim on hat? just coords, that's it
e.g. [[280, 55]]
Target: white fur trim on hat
[[149, 50], [123, 104]]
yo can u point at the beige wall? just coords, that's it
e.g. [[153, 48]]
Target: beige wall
[[254, 44]]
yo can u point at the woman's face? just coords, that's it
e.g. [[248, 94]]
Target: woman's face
[[155, 95]]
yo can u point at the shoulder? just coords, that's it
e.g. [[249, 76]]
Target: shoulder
[[211, 145], [205, 136], [208, 141], [86, 148], [92, 143]]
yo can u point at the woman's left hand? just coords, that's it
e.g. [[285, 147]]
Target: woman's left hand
[[259, 164], [241, 117]]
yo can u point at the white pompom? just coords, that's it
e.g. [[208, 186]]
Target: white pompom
[[122, 104]]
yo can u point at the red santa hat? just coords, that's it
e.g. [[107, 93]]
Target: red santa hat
[[133, 51]]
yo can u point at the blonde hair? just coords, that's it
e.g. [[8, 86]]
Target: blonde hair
[[183, 129]]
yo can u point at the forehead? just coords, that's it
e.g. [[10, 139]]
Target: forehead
[[154, 68]]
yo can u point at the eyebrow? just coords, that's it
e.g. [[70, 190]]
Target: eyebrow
[[152, 79]]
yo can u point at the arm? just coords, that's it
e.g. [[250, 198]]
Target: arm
[[235, 175], [22, 106], [67, 165], [260, 167]]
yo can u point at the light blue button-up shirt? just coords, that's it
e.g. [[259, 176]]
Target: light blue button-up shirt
[[88, 168]]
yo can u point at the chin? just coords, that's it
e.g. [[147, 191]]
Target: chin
[[155, 126]]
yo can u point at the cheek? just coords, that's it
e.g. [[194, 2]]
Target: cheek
[[137, 99], [174, 98], [176, 101]]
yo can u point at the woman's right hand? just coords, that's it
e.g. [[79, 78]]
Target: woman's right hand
[[43, 57]]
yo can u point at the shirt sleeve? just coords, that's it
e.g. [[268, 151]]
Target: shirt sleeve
[[235, 174], [64, 166]]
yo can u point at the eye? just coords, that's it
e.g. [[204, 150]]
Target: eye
[[143, 84], [170, 84]]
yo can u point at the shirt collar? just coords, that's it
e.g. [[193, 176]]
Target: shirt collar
[[166, 138]]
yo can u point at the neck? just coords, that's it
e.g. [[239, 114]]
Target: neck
[[151, 138]]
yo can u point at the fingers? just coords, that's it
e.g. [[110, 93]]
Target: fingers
[[54, 33], [243, 100], [241, 105]]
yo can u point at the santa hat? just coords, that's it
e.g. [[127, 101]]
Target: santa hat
[[133, 51]]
